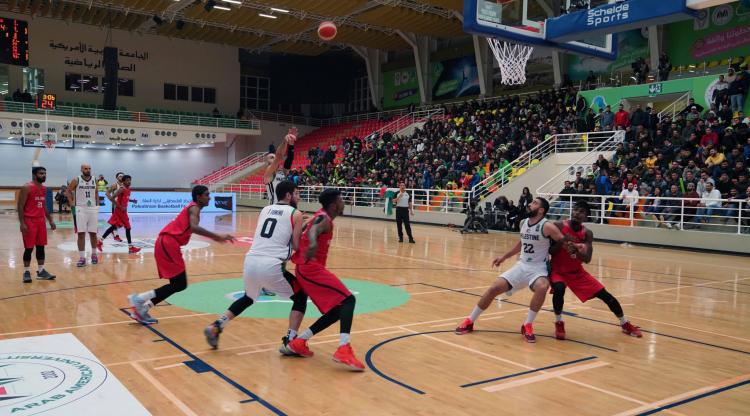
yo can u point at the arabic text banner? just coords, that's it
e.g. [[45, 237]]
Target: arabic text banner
[[171, 202]]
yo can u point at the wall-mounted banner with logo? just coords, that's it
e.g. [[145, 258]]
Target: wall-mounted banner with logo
[[172, 202], [102, 134], [616, 17], [56, 375], [400, 87]]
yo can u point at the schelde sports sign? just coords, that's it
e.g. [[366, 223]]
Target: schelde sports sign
[[154, 202], [616, 17]]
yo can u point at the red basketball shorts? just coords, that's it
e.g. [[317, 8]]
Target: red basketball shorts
[[322, 286], [169, 261], [36, 235], [583, 285]]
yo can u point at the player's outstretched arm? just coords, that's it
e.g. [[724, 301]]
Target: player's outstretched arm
[[514, 251], [299, 225], [23, 195], [319, 226], [72, 186], [195, 227], [290, 139], [274, 166]]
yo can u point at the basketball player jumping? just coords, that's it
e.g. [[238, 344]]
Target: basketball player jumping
[[273, 175], [32, 210], [110, 194], [530, 270], [168, 255], [120, 216], [328, 293], [276, 235], [567, 270], [87, 212]]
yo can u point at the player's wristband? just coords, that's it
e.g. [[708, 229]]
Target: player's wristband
[[289, 157]]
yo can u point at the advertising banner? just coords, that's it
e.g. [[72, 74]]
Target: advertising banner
[[717, 33], [400, 88], [631, 45], [454, 78], [171, 202]]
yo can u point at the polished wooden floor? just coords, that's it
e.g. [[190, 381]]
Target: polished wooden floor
[[694, 308]]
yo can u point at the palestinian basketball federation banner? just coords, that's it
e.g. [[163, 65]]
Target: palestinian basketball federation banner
[[57, 375], [172, 202]]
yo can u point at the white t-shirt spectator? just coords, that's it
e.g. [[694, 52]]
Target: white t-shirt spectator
[[711, 199], [629, 197]]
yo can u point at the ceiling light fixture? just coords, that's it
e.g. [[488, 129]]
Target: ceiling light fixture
[[267, 16], [232, 1], [222, 8], [278, 10]]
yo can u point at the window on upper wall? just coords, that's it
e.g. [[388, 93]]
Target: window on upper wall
[[359, 96], [170, 92], [125, 87], [209, 95], [182, 93], [196, 94], [255, 92], [82, 83]]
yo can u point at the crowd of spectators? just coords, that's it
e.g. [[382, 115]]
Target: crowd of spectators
[[455, 152]]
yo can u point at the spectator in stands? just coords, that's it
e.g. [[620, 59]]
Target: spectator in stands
[[629, 198], [216, 112], [664, 67], [709, 138], [672, 207], [62, 201], [523, 202], [693, 115], [608, 119], [17, 96], [638, 117], [724, 185], [720, 91], [737, 91], [26, 97], [654, 207], [622, 118], [591, 81], [691, 205], [710, 204], [563, 204], [691, 104], [640, 70]]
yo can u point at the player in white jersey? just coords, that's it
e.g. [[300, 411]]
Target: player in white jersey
[[276, 235], [273, 175], [86, 212], [530, 270]]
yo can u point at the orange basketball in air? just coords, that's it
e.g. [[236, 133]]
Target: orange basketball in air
[[327, 30]]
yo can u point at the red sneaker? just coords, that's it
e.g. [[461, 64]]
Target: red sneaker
[[528, 333], [117, 238], [100, 245], [345, 355], [133, 250], [299, 346], [631, 330], [465, 327], [560, 330]]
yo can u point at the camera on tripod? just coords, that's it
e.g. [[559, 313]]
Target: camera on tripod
[[474, 222]]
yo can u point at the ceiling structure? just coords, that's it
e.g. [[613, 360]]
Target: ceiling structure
[[292, 29]]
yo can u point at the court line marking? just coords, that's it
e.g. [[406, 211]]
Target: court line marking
[[126, 257], [164, 367], [275, 349], [398, 331], [542, 377], [476, 383], [441, 291], [667, 303], [688, 397], [484, 354], [683, 287], [163, 390]]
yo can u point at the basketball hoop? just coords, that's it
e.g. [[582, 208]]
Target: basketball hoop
[[49, 141], [512, 58]]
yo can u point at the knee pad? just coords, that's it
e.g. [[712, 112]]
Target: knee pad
[[299, 302]]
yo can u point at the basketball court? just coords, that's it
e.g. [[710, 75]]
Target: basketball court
[[692, 308]]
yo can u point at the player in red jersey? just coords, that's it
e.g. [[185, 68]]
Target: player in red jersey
[[168, 255], [120, 216], [32, 210], [327, 292], [568, 271]]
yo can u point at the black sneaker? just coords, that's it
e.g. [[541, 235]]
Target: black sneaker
[[412, 241], [27, 277], [45, 275], [285, 350]]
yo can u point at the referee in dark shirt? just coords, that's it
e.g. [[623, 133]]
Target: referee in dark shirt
[[404, 208]]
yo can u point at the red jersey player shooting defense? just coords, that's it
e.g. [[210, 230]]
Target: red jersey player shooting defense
[[327, 292]]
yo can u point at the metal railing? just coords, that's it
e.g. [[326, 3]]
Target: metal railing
[[424, 200], [595, 147], [228, 171], [719, 215], [678, 105], [134, 116], [407, 120], [560, 143]]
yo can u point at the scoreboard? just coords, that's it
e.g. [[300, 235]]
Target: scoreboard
[[14, 42]]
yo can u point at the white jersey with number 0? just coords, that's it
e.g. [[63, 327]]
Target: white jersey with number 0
[[273, 234], [271, 186], [86, 193], [534, 245]]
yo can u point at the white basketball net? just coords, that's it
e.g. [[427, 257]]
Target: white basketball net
[[512, 58]]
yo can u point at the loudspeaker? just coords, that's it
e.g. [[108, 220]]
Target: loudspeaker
[[111, 67]]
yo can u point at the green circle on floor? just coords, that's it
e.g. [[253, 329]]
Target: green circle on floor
[[215, 296], [69, 224]]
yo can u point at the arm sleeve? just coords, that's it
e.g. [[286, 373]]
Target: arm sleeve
[[289, 157]]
